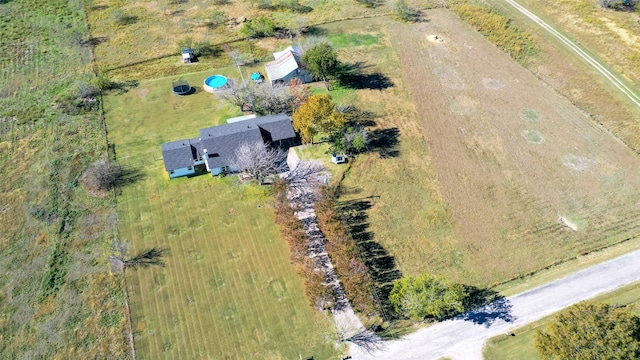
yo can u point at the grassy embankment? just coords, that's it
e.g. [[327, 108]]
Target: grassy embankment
[[58, 299], [229, 290]]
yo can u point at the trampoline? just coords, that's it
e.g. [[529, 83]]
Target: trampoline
[[181, 87]]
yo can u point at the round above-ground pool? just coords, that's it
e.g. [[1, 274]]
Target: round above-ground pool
[[215, 82]]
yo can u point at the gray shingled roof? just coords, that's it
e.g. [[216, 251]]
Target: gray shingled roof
[[222, 141], [180, 154], [278, 126]]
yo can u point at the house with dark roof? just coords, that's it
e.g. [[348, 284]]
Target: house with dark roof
[[217, 145], [286, 66]]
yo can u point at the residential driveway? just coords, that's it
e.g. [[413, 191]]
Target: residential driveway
[[464, 337]]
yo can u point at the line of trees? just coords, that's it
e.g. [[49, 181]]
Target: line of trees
[[341, 247]]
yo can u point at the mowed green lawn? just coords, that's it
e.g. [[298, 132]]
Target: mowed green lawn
[[228, 290], [522, 346]]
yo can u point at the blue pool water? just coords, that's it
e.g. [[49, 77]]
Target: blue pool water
[[256, 76], [216, 81]]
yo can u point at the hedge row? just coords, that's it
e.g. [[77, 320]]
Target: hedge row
[[351, 270], [320, 295]]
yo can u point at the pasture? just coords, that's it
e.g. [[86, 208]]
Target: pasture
[[228, 290], [522, 345], [58, 298], [496, 174]]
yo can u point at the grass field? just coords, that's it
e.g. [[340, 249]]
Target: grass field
[[522, 346], [229, 290], [484, 171], [58, 298], [153, 28], [607, 35]]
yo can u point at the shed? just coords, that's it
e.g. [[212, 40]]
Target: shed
[[187, 55], [287, 66]]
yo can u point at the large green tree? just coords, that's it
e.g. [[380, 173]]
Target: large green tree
[[427, 295], [321, 60], [591, 331], [318, 115]]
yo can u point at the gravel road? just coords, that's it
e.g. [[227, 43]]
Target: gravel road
[[463, 338]]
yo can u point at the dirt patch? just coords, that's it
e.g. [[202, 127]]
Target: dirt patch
[[449, 77], [492, 84], [142, 92], [435, 39], [577, 163], [568, 223]]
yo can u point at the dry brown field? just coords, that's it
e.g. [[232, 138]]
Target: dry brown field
[[525, 178]]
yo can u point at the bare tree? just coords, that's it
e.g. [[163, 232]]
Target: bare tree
[[238, 94], [259, 160], [272, 99], [102, 175], [237, 58], [302, 171], [261, 98]]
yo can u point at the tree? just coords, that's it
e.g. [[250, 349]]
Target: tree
[[321, 60], [102, 175], [259, 160], [404, 12], [351, 140], [261, 26], [218, 17], [299, 91], [591, 331], [317, 115], [262, 98], [426, 295]]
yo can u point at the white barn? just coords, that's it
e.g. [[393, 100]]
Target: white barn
[[287, 66]]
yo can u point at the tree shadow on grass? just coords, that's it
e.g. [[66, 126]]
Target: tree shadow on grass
[[486, 306], [129, 176], [122, 87], [356, 116], [358, 76], [384, 141], [381, 264]]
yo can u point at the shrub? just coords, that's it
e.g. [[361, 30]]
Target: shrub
[[102, 175], [591, 331], [498, 28], [261, 26], [218, 17], [403, 12], [425, 295]]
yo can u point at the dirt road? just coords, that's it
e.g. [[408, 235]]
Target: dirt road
[[464, 337], [612, 78]]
